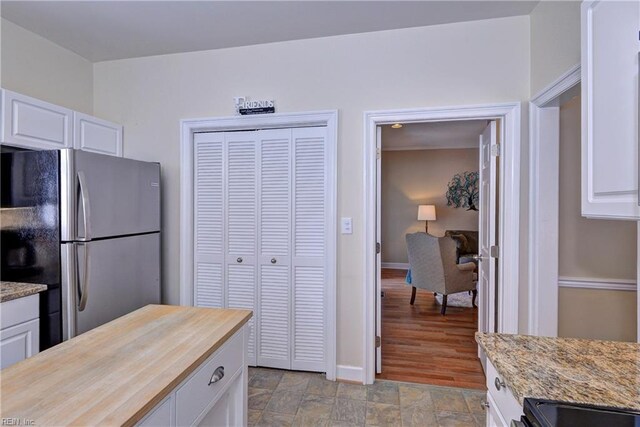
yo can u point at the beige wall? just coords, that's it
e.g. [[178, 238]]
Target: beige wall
[[597, 314], [455, 64], [555, 41], [591, 249], [34, 66], [420, 177]]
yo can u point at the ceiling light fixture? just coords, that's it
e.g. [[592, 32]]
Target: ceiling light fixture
[[396, 125]]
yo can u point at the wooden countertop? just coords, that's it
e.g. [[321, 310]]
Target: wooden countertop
[[116, 373], [602, 373], [14, 290]]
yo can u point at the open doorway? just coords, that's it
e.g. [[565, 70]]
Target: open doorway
[[503, 316], [432, 221]]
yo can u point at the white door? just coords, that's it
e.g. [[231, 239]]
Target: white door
[[208, 203], [311, 215], [610, 55], [241, 212], [487, 230], [378, 249], [274, 245]]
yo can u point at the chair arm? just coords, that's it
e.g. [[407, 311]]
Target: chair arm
[[467, 266]]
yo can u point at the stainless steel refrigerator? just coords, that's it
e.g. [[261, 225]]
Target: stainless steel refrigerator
[[88, 226]]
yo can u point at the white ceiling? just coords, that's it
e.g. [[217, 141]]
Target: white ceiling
[[106, 30], [435, 135]]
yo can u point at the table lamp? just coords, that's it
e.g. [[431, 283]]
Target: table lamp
[[426, 213]]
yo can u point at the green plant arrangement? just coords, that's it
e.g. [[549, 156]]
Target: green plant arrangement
[[462, 191]]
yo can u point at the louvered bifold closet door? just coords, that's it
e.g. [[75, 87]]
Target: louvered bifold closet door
[[208, 220], [309, 242], [274, 242], [241, 230]]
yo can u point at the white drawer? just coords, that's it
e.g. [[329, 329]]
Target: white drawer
[[507, 405], [196, 394], [19, 310], [161, 415]]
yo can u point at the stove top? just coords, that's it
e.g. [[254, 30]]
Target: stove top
[[549, 413]]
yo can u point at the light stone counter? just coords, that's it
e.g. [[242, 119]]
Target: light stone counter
[[14, 290], [603, 373]]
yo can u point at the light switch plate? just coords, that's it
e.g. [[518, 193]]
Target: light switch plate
[[346, 225]]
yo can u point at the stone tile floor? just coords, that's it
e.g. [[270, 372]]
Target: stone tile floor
[[286, 398]]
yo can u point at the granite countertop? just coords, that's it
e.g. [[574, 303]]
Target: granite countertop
[[603, 373], [15, 290], [114, 374]]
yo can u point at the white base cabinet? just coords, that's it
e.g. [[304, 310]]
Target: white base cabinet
[[215, 394], [501, 405], [20, 330], [31, 123]]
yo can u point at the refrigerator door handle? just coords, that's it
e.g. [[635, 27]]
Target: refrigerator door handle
[[69, 285], [86, 208], [83, 285]]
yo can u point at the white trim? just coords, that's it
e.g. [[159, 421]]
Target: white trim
[[562, 84], [544, 144], [595, 283], [510, 116], [349, 373], [328, 118], [395, 265]]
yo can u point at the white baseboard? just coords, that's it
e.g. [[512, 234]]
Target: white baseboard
[[593, 283], [350, 373], [395, 265]]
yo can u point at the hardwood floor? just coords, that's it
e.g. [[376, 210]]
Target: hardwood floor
[[422, 346]]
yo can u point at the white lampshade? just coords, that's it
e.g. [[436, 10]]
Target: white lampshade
[[426, 213]]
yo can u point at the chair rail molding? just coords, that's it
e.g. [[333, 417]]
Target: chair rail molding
[[544, 143], [189, 127], [509, 115], [597, 283]]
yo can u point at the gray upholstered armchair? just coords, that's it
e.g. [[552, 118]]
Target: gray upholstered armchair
[[433, 267]]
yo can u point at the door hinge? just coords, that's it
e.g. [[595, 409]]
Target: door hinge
[[495, 150], [378, 247], [378, 341], [378, 153], [494, 251]]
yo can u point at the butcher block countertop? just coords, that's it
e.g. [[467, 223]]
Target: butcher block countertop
[[116, 373], [14, 290], [602, 373]]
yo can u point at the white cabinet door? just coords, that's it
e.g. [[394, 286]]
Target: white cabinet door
[[20, 334], [97, 135], [208, 211], [274, 318], [30, 123], [19, 342], [310, 214], [610, 49], [241, 226]]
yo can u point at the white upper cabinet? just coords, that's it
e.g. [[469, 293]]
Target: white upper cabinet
[[610, 53], [97, 135], [31, 123]]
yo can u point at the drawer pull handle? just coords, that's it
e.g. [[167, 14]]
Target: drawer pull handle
[[239, 259], [499, 384], [218, 374], [484, 404]]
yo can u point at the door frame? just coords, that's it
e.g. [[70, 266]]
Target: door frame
[[544, 167], [327, 118], [509, 115]]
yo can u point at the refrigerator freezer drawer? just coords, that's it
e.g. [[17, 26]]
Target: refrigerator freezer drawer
[[123, 275]]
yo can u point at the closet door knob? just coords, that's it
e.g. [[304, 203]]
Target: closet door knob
[[273, 261], [239, 259]]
